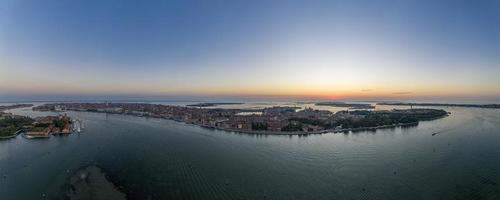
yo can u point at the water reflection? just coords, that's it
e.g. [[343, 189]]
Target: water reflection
[[160, 159]]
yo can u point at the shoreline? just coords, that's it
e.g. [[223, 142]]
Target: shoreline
[[7, 137], [334, 131], [11, 136], [253, 132]]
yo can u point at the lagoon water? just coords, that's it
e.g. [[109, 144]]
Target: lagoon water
[[152, 158]]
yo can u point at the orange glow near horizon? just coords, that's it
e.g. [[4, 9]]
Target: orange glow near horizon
[[330, 93]]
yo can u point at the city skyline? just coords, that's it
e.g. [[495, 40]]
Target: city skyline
[[359, 50]]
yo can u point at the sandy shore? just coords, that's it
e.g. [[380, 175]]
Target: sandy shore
[[90, 183]]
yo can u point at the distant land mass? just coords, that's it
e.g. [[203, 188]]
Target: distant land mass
[[441, 104], [346, 105], [2, 108], [213, 104]]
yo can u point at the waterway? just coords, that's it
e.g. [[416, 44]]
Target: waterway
[[150, 158]]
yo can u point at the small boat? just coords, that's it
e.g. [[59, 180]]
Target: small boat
[[28, 136]]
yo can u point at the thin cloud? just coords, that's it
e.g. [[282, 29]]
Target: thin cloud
[[402, 93], [366, 90]]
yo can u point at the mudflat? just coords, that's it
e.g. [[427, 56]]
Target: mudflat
[[91, 183]]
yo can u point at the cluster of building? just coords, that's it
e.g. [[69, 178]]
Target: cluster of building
[[43, 127], [40, 127], [268, 120], [273, 119]]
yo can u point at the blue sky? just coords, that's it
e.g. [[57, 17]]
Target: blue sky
[[325, 49]]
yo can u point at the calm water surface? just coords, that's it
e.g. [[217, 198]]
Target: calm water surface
[[159, 159]]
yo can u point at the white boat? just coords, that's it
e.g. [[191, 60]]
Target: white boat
[[28, 136], [77, 126]]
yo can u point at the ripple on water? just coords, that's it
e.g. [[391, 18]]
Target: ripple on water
[[168, 160]]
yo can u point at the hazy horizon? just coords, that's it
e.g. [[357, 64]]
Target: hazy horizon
[[242, 99]]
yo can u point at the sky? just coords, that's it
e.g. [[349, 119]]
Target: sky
[[357, 49]]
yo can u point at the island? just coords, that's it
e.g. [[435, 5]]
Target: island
[[497, 106], [346, 105], [40, 127], [10, 124], [271, 120], [43, 127]]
